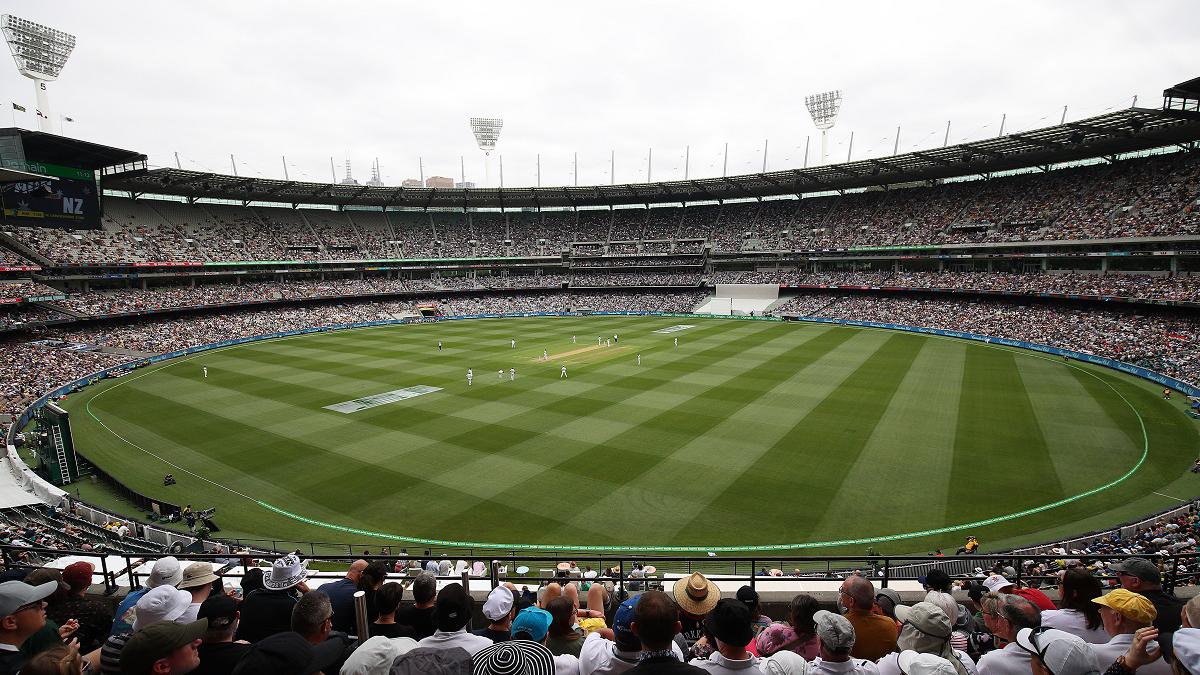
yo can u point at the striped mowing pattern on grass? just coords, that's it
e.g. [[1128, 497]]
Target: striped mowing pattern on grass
[[748, 433]]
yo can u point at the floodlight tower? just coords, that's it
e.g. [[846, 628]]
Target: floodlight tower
[[487, 134], [40, 53], [824, 109]]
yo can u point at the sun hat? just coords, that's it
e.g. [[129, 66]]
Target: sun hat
[[695, 594], [1133, 606], [623, 633], [17, 594], [499, 603], [914, 663], [166, 571], [926, 618], [944, 602], [376, 655], [534, 621], [1138, 567], [162, 603], [285, 573], [1062, 652], [835, 631], [516, 657], [197, 574], [784, 663], [158, 641], [78, 574], [995, 582], [729, 622]]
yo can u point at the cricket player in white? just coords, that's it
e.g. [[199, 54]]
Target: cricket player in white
[[205, 372], [563, 374], [608, 343], [470, 376], [500, 374], [545, 356], [439, 345], [572, 339], [599, 341], [676, 342], [512, 374], [639, 359], [513, 345], [614, 337]]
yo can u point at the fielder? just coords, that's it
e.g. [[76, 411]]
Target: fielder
[[513, 344], [563, 373], [572, 339], [677, 343], [512, 374], [205, 372], [608, 343], [470, 376], [639, 359], [439, 345], [545, 356], [599, 341], [614, 337], [500, 374]]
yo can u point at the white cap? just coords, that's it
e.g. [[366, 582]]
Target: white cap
[[161, 603], [499, 603], [914, 663], [1062, 652], [166, 571], [995, 582]]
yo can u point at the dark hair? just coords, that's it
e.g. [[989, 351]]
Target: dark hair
[[387, 599], [374, 575], [561, 609], [1078, 589], [801, 612], [655, 616], [252, 581]]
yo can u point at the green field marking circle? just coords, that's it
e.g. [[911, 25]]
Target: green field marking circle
[[634, 549]]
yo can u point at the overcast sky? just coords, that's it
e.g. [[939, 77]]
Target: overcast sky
[[398, 81]]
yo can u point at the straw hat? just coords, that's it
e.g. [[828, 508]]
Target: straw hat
[[696, 595]]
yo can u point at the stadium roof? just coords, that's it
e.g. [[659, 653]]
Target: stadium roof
[[53, 149], [1109, 134]]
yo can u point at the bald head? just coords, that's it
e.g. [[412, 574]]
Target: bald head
[[547, 593], [571, 592], [860, 591], [356, 569]]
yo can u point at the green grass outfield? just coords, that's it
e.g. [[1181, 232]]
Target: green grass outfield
[[748, 434]]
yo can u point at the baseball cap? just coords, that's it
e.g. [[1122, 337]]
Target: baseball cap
[[1138, 567], [197, 574], [499, 603], [17, 594], [729, 622], [623, 633], [219, 610], [747, 596], [785, 662], [534, 621], [453, 608], [155, 642], [914, 663], [163, 603], [1133, 606], [166, 572], [1062, 652], [995, 582], [835, 631], [79, 573]]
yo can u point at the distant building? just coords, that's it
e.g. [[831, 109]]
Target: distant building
[[469, 185], [410, 182], [439, 182]]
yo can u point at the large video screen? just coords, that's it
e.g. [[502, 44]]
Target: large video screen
[[62, 202]]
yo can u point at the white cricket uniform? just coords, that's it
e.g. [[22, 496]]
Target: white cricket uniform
[[512, 374], [572, 339], [639, 359], [470, 376], [513, 345], [563, 374], [608, 343], [676, 342], [500, 373], [206, 371], [545, 355]]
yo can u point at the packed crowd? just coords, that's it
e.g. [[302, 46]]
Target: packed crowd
[[1150, 339], [24, 288], [1152, 196], [188, 619], [636, 279], [1182, 287]]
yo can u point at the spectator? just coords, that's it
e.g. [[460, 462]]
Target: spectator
[[562, 636], [656, 623], [601, 656], [420, 615], [874, 635], [916, 663], [696, 596], [451, 614], [159, 604], [93, 614], [500, 609], [996, 583], [514, 657], [219, 653], [1004, 614], [886, 601], [1056, 652], [165, 648], [800, 637], [269, 610], [837, 642], [925, 630], [341, 596], [22, 613], [312, 619], [1079, 615], [730, 623], [387, 601], [1141, 576], [52, 634], [58, 660], [937, 580], [369, 582], [198, 579], [375, 656], [1123, 613], [166, 571], [749, 597], [285, 653]]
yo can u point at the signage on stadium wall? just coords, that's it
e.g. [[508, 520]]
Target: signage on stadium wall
[[23, 268], [165, 264], [45, 298]]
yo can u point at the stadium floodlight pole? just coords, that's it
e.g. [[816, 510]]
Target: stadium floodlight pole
[[946, 140], [806, 140], [576, 170], [539, 169], [850, 149], [1003, 119], [233, 163], [725, 164], [177, 164], [487, 134], [285, 173], [896, 147], [41, 53], [462, 167], [1064, 116], [650, 166], [612, 167], [501, 160], [332, 171], [765, 142], [687, 156], [824, 108], [421, 168]]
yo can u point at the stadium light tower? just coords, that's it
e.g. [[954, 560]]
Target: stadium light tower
[[487, 134], [824, 109], [40, 53]]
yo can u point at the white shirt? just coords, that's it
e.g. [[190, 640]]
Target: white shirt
[[190, 614], [717, 663], [1074, 622], [820, 666], [566, 664], [890, 664], [1118, 645], [459, 638], [599, 656], [1012, 660]]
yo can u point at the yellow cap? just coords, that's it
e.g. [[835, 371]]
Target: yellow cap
[[1132, 606]]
